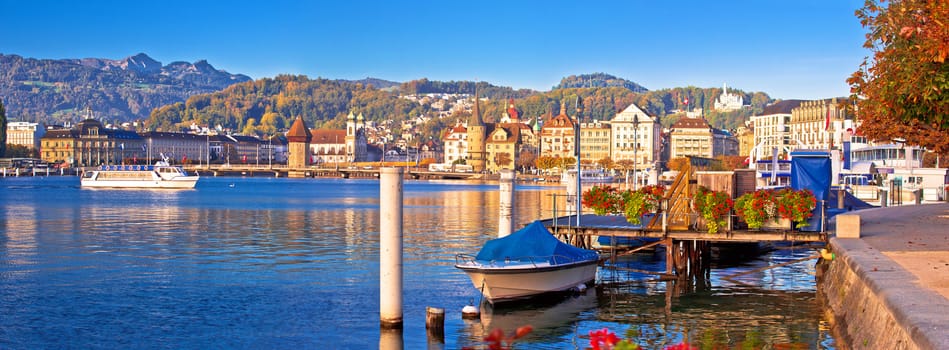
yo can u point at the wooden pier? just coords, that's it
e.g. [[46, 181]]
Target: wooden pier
[[678, 227], [688, 251]]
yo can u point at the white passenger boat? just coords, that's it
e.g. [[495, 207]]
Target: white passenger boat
[[589, 176], [160, 175], [527, 263]]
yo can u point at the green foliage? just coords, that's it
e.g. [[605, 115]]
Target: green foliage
[[603, 200], [485, 90], [547, 163], [597, 80], [275, 102], [756, 208], [902, 90], [20, 151], [714, 207]]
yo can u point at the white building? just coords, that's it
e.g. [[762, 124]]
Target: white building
[[25, 134], [456, 144], [328, 147], [820, 124], [772, 130], [728, 101], [636, 136]]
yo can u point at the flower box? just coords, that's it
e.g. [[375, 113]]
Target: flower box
[[778, 223]]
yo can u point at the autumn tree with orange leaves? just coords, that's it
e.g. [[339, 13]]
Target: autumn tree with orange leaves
[[902, 91]]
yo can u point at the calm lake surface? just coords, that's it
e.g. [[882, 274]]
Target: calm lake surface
[[294, 263]]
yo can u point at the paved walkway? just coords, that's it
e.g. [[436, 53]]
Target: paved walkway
[[905, 252]]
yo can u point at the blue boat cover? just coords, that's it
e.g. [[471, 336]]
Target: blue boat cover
[[811, 169], [533, 243]]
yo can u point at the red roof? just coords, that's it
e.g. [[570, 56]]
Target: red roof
[[299, 132]]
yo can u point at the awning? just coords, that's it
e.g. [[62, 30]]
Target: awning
[[863, 168]]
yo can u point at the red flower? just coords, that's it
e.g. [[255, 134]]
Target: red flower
[[603, 337], [682, 346]]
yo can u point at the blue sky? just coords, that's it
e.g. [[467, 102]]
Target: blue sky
[[789, 49]]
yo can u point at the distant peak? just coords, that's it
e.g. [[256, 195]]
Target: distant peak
[[141, 56], [140, 62]]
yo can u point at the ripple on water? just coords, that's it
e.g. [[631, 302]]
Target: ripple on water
[[287, 263]]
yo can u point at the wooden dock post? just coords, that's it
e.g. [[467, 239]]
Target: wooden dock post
[[390, 248], [435, 323], [506, 203]]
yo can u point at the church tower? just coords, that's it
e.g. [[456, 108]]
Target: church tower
[[476, 138], [350, 137]]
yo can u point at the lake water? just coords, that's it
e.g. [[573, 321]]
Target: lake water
[[294, 263]]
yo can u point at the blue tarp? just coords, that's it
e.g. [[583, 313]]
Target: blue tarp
[[530, 243], [811, 169]]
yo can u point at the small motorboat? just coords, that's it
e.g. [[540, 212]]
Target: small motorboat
[[528, 263]]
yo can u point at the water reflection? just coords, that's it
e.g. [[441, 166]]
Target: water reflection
[[283, 263], [552, 318]]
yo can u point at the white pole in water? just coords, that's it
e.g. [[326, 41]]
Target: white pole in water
[[506, 203], [573, 190], [391, 339], [390, 248]]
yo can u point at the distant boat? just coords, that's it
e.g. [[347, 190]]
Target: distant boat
[[160, 175], [590, 176], [528, 263]]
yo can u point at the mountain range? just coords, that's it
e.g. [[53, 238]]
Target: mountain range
[[140, 88], [55, 91]]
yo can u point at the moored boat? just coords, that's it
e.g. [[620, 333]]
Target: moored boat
[[590, 176], [528, 263], [160, 175]]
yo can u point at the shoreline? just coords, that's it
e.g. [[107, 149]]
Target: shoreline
[[889, 288]]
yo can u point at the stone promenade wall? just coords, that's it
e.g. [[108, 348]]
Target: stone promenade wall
[[862, 310]]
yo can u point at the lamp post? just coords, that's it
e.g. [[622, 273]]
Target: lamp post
[[635, 147]]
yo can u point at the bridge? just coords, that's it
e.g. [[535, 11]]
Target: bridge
[[280, 170]]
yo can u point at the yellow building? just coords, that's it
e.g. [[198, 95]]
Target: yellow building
[[594, 141], [504, 144], [90, 144], [695, 137]]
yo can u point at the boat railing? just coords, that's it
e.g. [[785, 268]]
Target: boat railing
[[471, 260]]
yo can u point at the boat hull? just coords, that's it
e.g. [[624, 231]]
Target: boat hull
[[506, 283], [135, 179], [145, 183]]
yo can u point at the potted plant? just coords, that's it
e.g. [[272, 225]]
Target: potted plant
[[755, 208], [642, 201], [714, 207], [763, 206], [603, 200], [796, 206]]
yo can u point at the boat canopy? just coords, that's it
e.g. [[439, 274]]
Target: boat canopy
[[533, 243], [811, 169]]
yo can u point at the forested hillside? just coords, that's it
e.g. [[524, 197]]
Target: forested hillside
[[267, 105], [270, 104], [598, 80]]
